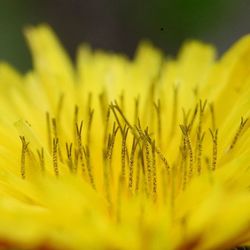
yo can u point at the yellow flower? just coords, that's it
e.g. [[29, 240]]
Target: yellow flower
[[149, 153]]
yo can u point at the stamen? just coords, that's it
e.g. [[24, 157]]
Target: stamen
[[49, 132], [112, 106], [103, 100], [199, 154], [89, 103], [202, 108], [69, 156], [140, 162], [41, 159], [158, 151], [55, 131], [106, 126], [79, 145], [75, 121], [154, 172], [212, 116], [54, 127], [131, 163], [89, 167], [124, 150], [238, 132], [59, 107], [107, 158], [111, 142], [175, 110], [193, 117], [148, 161], [136, 113], [199, 134], [122, 101], [122, 114], [158, 113], [91, 113], [55, 160], [23, 155], [185, 130], [184, 162], [214, 157], [108, 152], [79, 134]]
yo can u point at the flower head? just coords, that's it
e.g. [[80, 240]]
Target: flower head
[[149, 153]]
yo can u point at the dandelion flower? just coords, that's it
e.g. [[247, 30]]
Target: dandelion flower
[[113, 153]]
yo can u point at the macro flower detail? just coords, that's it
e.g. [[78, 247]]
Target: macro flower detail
[[113, 153]]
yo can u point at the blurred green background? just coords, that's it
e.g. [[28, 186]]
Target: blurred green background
[[118, 25]]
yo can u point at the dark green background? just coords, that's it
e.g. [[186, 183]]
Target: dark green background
[[119, 25]]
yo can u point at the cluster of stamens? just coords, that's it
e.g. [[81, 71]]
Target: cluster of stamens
[[143, 165]]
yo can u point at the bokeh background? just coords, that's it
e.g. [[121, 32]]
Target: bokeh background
[[118, 25]]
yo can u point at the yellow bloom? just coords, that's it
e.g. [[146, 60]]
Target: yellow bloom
[[152, 153]]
